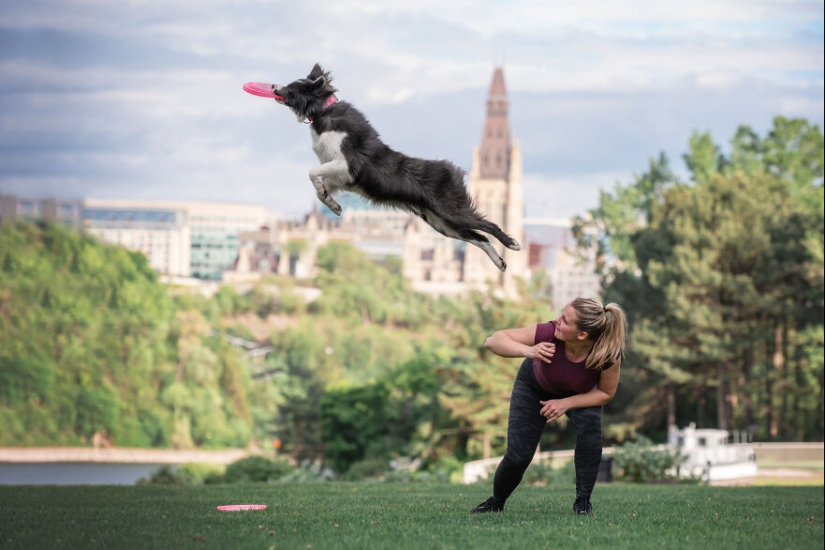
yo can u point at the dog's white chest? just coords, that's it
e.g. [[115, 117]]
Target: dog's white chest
[[327, 146]]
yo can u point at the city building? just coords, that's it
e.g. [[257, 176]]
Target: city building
[[187, 239], [497, 189], [438, 265], [570, 271], [290, 247], [66, 212], [161, 232]]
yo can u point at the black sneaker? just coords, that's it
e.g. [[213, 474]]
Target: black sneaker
[[492, 504], [582, 506]]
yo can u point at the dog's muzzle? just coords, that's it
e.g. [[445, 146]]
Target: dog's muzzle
[[276, 96]]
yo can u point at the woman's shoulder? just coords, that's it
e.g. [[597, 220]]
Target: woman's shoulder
[[615, 362], [545, 331]]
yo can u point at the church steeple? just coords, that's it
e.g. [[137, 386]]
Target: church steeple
[[494, 152]]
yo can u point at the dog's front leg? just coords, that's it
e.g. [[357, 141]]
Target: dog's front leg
[[324, 195], [329, 177]]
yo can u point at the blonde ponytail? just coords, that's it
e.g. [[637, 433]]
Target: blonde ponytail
[[606, 326]]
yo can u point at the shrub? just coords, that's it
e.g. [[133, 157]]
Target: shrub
[[448, 469], [543, 472], [308, 472], [641, 461], [257, 469], [165, 475], [197, 473], [372, 468]]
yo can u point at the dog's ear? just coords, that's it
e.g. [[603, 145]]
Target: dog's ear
[[319, 83], [317, 78], [315, 73]]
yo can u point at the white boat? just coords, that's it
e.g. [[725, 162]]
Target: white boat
[[712, 456]]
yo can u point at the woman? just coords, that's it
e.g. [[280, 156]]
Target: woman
[[571, 367]]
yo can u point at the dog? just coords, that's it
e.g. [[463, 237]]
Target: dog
[[354, 158]]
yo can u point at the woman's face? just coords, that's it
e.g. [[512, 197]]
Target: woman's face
[[566, 327]]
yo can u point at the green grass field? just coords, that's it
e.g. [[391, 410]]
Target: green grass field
[[374, 516]]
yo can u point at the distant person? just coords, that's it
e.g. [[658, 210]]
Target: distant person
[[100, 440], [571, 367]]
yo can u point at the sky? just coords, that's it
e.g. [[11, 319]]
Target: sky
[[142, 99]]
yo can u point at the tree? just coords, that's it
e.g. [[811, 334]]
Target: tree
[[723, 274]]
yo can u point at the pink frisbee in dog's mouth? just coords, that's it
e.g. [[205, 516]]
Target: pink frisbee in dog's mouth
[[241, 507], [262, 89]]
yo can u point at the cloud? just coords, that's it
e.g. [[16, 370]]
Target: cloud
[[142, 99], [563, 196]]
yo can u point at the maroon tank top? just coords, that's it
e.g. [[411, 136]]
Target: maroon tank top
[[562, 376]]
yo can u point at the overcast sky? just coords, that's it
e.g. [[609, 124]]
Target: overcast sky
[[142, 99]]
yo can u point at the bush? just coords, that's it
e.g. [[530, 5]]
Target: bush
[[165, 475], [448, 469], [543, 472], [256, 469], [367, 469], [197, 473], [641, 461], [308, 472]]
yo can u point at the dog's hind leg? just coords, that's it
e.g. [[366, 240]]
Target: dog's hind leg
[[479, 240], [328, 177], [475, 221], [466, 235], [494, 230], [456, 219]]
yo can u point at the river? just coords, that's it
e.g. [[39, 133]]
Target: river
[[90, 466], [74, 473]]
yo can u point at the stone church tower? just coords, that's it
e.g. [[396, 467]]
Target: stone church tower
[[496, 187]]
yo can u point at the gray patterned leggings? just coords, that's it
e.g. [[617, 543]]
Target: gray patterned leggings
[[524, 431]]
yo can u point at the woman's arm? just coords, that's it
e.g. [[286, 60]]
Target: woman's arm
[[519, 342], [603, 393]]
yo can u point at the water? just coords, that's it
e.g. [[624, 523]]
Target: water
[[73, 473]]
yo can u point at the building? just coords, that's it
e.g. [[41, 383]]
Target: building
[[290, 247], [66, 212], [162, 233], [570, 271], [497, 189], [433, 263], [188, 239], [439, 265]]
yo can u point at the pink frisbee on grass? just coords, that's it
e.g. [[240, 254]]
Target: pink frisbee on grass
[[262, 89], [241, 507]]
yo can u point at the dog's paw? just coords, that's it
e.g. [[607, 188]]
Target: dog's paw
[[501, 265], [335, 207], [513, 245]]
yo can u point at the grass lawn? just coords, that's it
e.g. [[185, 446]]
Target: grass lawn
[[374, 516]]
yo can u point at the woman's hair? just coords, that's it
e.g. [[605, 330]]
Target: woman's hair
[[606, 326]]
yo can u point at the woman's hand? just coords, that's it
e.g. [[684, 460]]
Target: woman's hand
[[554, 409], [542, 350]]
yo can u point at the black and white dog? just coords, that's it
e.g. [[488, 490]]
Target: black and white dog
[[354, 158]]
